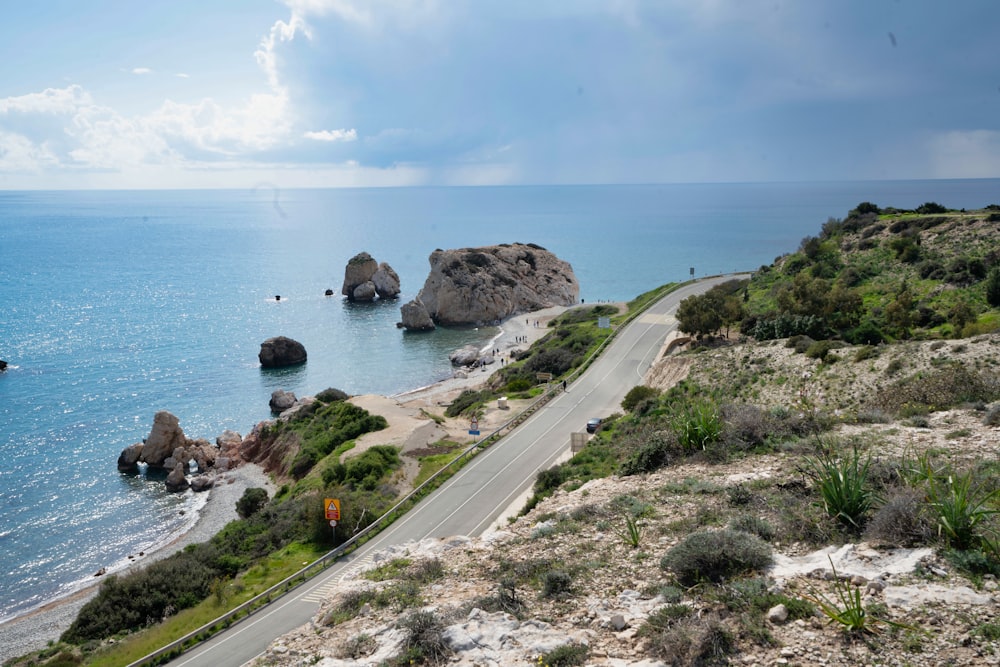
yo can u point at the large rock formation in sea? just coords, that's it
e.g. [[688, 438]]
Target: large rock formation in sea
[[281, 351], [489, 284], [364, 278]]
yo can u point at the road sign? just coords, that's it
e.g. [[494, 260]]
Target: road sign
[[333, 523], [474, 427], [604, 322], [331, 507], [544, 377]]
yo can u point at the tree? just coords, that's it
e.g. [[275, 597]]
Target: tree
[[931, 207], [899, 313], [993, 287], [866, 207], [959, 315], [700, 314]]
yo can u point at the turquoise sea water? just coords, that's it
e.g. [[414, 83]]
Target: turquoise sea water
[[118, 304]]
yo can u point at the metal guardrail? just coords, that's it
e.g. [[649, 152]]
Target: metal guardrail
[[259, 601]]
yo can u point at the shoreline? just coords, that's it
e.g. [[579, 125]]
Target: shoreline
[[33, 629]]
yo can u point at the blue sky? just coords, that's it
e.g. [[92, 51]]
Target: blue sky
[[315, 93]]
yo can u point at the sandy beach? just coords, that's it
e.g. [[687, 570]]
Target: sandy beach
[[408, 428]]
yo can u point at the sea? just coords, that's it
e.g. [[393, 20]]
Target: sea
[[117, 304]]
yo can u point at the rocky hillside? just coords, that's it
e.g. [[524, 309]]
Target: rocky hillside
[[489, 284], [585, 578], [824, 497]]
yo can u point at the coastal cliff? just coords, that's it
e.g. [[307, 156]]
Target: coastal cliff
[[472, 286]]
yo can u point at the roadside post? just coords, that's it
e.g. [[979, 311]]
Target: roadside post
[[331, 508]]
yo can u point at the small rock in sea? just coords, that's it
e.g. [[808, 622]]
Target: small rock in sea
[[328, 292], [182, 512], [277, 297]]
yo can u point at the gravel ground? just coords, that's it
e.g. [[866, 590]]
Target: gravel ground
[[36, 629]]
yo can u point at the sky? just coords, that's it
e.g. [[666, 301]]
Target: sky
[[117, 94]]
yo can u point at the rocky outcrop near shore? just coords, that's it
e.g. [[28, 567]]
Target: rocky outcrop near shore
[[281, 351], [475, 286], [167, 448], [415, 316], [365, 278], [3, 365]]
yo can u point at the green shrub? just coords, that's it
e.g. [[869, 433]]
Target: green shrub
[[901, 521], [251, 502], [697, 425], [556, 584], [135, 600], [467, 400], [714, 555], [843, 486], [653, 449], [567, 655], [962, 504], [518, 385], [331, 395], [554, 360], [424, 642], [636, 395], [748, 523], [822, 350]]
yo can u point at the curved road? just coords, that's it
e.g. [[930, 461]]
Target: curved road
[[471, 501]]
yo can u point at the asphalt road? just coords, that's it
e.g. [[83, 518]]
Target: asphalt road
[[471, 501]]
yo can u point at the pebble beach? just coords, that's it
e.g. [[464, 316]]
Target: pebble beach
[[34, 630]]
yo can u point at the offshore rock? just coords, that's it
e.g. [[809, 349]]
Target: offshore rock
[[364, 292], [128, 460], [164, 438], [281, 351], [364, 279], [3, 365], [386, 282], [176, 481], [359, 270], [474, 286], [416, 317]]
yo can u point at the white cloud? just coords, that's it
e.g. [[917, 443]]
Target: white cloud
[[141, 70], [266, 53], [333, 135], [49, 101], [182, 75], [18, 153]]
